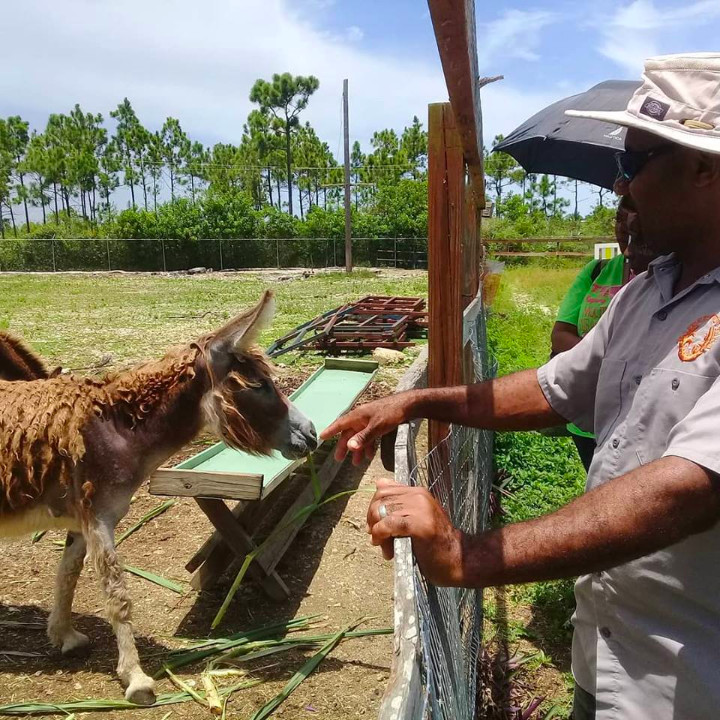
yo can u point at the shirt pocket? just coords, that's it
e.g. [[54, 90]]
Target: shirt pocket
[[668, 396], [608, 397]]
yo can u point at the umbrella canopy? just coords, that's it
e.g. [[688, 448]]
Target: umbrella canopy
[[552, 143]]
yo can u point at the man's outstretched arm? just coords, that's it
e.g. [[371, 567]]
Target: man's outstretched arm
[[645, 510], [513, 402]]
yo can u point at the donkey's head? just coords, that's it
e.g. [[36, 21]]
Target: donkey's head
[[244, 406]]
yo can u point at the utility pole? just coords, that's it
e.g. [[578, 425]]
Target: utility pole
[[348, 228]]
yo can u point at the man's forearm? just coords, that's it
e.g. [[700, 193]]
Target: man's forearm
[[646, 510], [513, 402]]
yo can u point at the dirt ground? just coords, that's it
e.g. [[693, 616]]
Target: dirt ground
[[331, 570]]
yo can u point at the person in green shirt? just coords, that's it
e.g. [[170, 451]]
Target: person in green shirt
[[590, 294]]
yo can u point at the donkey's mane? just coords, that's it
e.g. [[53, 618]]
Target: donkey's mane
[[18, 361], [42, 421]]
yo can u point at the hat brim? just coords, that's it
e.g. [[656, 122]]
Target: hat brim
[[625, 119]]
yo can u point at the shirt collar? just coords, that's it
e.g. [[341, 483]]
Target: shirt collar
[[671, 261], [665, 271], [662, 261]]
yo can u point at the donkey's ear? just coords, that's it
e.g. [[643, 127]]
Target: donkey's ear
[[242, 331]]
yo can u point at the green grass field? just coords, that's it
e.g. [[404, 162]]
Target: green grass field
[[74, 319], [540, 474]]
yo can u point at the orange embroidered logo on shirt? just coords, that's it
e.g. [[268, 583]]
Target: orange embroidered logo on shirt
[[699, 337]]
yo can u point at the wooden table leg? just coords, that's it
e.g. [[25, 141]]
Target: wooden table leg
[[241, 544]]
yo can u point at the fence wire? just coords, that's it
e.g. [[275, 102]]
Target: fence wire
[[459, 473], [178, 254]]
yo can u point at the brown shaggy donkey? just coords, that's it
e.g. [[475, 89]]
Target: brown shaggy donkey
[[74, 450]]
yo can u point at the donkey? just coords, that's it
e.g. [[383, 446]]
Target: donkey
[[18, 362], [74, 450]]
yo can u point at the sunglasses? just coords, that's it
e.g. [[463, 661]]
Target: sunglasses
[[631, 162]]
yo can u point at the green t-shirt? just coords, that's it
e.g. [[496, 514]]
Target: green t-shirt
[[587, 300]]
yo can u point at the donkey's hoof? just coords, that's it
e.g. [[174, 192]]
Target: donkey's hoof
[[141, 690], [75, 643]]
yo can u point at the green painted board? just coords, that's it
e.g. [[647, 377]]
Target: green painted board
[[323, 397]]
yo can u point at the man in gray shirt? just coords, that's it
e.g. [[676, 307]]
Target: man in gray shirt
[[646, 381]]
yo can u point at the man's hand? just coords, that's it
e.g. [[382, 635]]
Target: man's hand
[[360, 428], [413, 512]]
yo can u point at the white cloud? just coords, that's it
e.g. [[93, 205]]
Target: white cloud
[[516, 34], [640, 29], [198, 61], [355, 34]]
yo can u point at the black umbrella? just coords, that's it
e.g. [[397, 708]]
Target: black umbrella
[[551, 142]]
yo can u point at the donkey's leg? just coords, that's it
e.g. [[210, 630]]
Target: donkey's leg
[[60, 629], [140, 688]]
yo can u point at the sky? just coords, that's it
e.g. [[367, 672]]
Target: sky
[[198, 60]]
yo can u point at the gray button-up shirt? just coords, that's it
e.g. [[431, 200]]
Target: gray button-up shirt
[[646, 381]]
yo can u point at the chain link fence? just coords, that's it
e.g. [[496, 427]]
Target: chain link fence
[[166, 255], [459, 473], [438, 631]]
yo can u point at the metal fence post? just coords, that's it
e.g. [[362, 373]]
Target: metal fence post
[[52, 246], [162, 244], [107, 249], [221, 257]]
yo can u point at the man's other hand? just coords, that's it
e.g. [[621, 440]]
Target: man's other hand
[[413, 512]]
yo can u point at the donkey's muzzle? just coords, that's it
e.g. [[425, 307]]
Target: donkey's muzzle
[[300, 436]]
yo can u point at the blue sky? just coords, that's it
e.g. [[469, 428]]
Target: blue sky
[[197, 60]]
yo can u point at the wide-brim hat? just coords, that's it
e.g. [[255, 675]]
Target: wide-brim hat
[[679, 100]]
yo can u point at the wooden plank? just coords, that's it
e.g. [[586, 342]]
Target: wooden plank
[[549, 253], [367, 366], [205, 484], [241, 544], [532, 240], [454, 25], [446, 223], [404, 696], [471, 250]]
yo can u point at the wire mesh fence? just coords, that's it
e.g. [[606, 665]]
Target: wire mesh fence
[[459, 473], [167, 255]]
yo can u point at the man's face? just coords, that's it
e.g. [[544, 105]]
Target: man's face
[[659, 191]]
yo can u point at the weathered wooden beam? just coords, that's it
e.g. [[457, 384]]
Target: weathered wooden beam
[[403, 698], [446, 228], [472, 249], [197, 483], [454, 25], [241, 544], [532, 240]]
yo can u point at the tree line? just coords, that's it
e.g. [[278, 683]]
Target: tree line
[[71, 169], [280, 180]]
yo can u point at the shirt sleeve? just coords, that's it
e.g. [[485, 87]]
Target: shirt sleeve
[[569, 381], [570, 306], [695, 437]]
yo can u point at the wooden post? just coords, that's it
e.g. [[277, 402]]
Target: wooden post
[[471, 250], [446, 223], [348, 226]]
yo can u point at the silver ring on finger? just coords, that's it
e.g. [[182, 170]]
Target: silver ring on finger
[[382, 511]]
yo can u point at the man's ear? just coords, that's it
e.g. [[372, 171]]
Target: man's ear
[[707, 169], [240, 333]]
